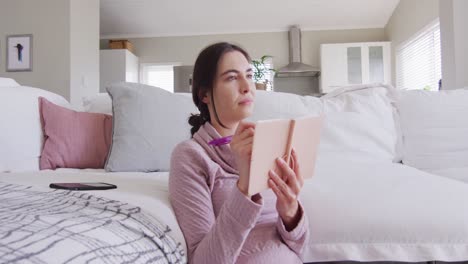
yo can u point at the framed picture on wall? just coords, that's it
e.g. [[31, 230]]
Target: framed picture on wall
[[19, 53]]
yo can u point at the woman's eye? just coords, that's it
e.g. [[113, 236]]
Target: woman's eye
[[231, 78]]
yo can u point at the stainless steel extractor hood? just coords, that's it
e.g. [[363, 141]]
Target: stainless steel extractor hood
[[296, 68]]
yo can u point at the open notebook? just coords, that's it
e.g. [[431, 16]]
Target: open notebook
[[275, 138]]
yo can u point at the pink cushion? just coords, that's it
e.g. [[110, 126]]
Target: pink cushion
[[73, 139]]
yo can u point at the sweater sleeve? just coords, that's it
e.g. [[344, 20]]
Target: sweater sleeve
[[209, 239], [296, 238]]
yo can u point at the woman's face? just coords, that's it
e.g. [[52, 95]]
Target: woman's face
[[234, 89]]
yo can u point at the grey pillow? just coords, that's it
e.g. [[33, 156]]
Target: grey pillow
[[148, 123]]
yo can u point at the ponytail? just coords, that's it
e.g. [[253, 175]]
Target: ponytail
[[198, 120]]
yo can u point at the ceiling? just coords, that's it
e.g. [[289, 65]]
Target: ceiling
[[153, 18]]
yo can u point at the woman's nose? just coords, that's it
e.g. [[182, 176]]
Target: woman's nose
[[246, 85]]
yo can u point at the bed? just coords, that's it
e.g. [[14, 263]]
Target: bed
[[359, 209]]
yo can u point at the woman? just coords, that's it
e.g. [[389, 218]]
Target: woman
[[208, 184]]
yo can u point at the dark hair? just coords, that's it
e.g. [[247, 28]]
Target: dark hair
[[204, 74]]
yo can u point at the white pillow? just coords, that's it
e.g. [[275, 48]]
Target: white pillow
[[148, 123], [102, 103], [21, 134], [435, 128], [360, 121], [8, 82], [99, 103], [275, 105]]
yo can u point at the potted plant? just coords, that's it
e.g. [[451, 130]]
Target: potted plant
[[260, 72]]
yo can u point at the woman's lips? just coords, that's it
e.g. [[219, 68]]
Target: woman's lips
[[246, 101]]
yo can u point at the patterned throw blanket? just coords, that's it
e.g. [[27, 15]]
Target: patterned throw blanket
[[59, 226]]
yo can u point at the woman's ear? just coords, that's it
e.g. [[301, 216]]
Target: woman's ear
[[206, 98]]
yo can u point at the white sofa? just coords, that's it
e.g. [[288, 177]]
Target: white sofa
[[391, 181]]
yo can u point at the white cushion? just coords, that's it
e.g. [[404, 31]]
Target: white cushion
[[8, 82], [435, 128], [148, 123], [274, 105], [360, 120], [21, 134], [99, 103], [102, 103]]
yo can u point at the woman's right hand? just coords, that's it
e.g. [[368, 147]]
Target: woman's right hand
[[241, 145]]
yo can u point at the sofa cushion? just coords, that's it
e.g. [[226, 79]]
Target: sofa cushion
[[21, 136], [274, 105], [8, 82], [99, 103], [148, 123], [73, 139], [102, 103], [435, 128], [361, 120]]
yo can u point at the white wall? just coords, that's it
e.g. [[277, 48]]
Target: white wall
[[48, 22], [460, 24], [117, 65], [447, 44], [112, 64], [409, 17], [132, 66], [84, 49], [454, 35], [65, 44]]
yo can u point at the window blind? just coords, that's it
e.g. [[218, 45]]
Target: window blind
[[418, 61], [270, 76]]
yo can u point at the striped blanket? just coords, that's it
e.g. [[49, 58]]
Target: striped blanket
[[59, 226]]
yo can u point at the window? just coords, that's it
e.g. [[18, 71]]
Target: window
[[418, 61], [159, 75], [269, 75]]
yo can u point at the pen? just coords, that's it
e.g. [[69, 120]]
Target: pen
[[220, 141]]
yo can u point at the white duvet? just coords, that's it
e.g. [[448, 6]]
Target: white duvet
[[369, 211], [146, 190], [358, 210]]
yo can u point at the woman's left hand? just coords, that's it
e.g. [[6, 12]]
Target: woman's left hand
[[287, 187]]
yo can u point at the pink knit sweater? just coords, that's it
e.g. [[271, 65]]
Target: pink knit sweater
[[219, 223]]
